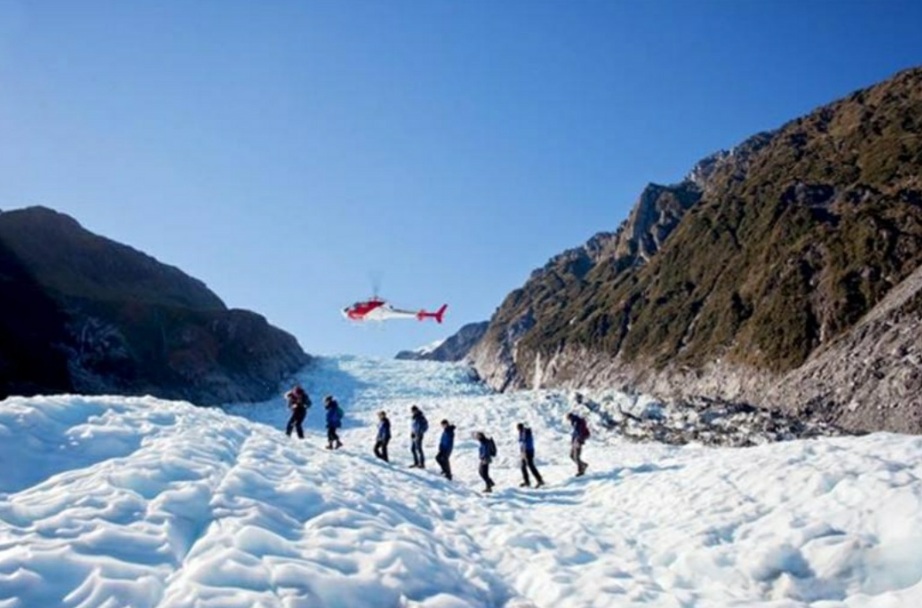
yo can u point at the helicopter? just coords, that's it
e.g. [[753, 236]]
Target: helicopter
[[376, 309]]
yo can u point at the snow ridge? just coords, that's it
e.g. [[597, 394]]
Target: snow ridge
[[112, 502]]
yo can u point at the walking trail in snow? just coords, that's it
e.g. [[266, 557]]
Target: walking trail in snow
[[115, 502]]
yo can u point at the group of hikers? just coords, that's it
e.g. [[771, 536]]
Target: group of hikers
[[299, 401]]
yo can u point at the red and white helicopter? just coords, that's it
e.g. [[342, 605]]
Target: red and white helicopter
[[377, 309]]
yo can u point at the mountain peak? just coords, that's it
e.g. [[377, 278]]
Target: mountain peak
[[725, 284]]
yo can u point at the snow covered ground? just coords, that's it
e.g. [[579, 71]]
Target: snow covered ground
[[115, 502]]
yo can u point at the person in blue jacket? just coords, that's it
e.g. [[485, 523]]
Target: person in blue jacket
[[384, 436], [527, 453], [418, 428], [486, 452], [334, 421], [446, 445]]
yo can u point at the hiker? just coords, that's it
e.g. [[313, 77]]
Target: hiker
[[418, 428], [334, 421], [446, 444], [527, 453], [487, 452], [384, 436], [298, 402], [578, 436]]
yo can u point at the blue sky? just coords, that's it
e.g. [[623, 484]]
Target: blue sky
[[294, 154]]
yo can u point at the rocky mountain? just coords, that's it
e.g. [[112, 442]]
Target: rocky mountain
[[82, 313], [454, 348], [781, 273]]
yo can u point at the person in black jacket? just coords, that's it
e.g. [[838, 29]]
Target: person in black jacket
[[578, 436], [384, 436], [527, 453], [298, 402], [446, 445]]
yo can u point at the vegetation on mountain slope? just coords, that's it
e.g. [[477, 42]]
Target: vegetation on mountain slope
[[791, 239]]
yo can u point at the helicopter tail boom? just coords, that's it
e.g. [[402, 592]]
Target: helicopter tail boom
[[437, 315]]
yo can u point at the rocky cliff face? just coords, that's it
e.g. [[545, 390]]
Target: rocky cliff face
[[871, 376], [93, 316], [656, 214], [454, 348], [768, 273]]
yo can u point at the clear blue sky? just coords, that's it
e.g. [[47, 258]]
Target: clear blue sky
[[291, 154]]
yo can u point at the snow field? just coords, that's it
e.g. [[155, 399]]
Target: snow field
[[144, 503]]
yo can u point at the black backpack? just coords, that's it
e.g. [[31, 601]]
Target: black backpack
[[491, 447]]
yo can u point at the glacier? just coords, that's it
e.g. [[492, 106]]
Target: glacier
[[136, 502]]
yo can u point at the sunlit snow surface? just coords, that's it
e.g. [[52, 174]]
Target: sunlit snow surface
[[116, 502]]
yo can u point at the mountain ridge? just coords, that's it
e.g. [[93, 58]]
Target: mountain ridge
[[759, 257], [113, 320], [452, 349]]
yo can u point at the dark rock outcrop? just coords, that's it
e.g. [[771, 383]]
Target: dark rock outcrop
[[752, 280], [90, 315], [454, 348], [32, 333]]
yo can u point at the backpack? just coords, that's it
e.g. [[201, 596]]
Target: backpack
[[339, 414], [582, 429], [491, 447], [423, 424], [298, 398]]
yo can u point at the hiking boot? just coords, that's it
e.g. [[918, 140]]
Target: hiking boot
[[488, 490], [525, 484], [339, 444], [539, 484]]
